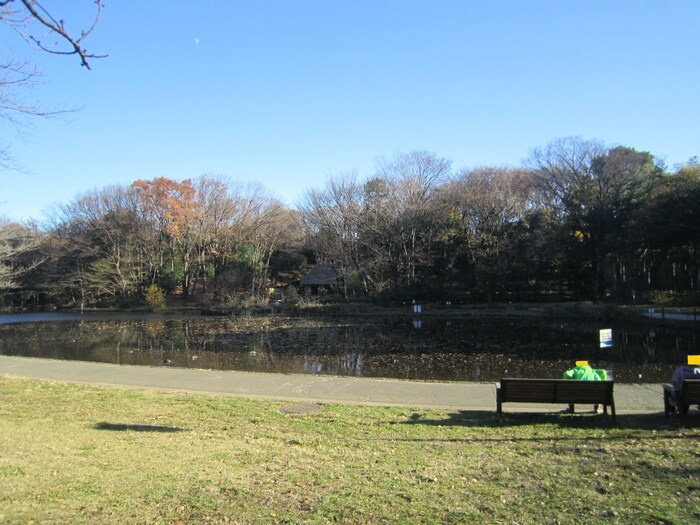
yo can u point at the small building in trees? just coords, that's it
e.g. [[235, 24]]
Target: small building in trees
[[322, 277]]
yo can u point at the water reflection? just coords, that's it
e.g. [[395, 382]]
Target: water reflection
[[460, 349]]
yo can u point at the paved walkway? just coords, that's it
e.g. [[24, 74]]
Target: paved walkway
[[629, 398]]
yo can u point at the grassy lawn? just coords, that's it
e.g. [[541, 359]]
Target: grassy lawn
[[77, 454]]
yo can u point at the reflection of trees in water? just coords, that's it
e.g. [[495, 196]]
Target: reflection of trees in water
[[454, 349], [344, 365], [655, 345]]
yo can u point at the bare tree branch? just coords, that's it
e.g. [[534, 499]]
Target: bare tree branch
[[17, 77], [34, 11], [58, 27]]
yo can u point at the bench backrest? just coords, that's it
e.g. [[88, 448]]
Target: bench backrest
[[690, 391], [556, 391]]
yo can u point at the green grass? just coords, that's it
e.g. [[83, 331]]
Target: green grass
[[77, 454]]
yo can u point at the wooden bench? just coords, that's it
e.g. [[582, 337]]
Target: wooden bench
[[689, 394], [564, 391]]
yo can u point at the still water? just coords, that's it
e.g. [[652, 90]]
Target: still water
[[426, 348]]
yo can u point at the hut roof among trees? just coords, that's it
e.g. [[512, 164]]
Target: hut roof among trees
[[323, 274]]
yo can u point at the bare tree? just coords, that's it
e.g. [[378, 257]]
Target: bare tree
[[16, 241], [101, 235], [491, 205], [412, 180], [332, 220], [564, 171], [265, 227]]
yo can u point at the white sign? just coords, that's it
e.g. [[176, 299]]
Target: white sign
[[606, 339]]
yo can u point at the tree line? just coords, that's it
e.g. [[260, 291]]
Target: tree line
[[578, 220]]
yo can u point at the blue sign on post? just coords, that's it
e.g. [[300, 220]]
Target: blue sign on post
[[606, 339]]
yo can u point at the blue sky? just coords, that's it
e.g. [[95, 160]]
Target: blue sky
[[286, 93]]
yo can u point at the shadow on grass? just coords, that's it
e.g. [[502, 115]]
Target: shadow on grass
[[581, 420], [123, 427]]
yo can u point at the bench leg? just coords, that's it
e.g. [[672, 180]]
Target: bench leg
[[668, 400], [499, 408], [612, 411]]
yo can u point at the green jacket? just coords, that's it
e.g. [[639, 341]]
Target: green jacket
[[585, 373]]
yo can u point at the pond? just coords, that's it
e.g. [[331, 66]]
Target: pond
[[433, 347]]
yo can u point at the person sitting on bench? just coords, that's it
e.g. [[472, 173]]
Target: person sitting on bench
[[680, 374], [584, 372]]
